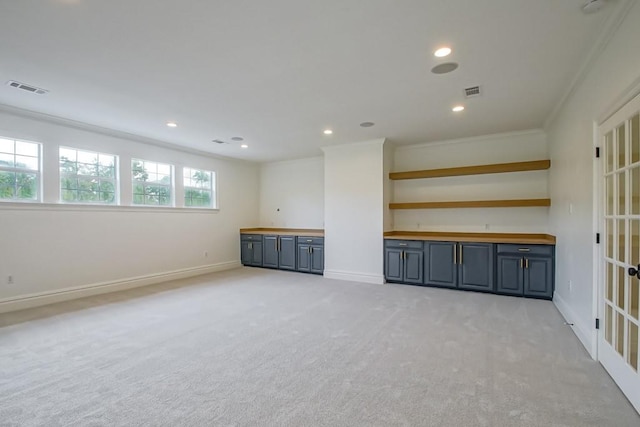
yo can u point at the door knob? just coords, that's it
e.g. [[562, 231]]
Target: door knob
[[634, 271]]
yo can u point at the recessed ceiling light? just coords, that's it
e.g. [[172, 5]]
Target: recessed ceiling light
[[328, 132], [172, 124], [244, 146], [442, 52], [445, 68], [366, 124], [458, 108], [237, 138]]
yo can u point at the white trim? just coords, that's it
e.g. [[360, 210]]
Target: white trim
[[43, 298], [351, 276], [608, 30], [490, 137], [60, 121], [586, 335], [597, 278], [36, 206], [269, 164]]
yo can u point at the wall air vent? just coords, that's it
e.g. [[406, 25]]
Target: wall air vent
[[472, 92], [26, 87]]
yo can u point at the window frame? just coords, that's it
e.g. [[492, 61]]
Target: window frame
[[171, 186], [212, 189], [16, 170], [115, 180]]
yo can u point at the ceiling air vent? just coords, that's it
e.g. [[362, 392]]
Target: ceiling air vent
[[26, 87], [217, 141], [472, 92]]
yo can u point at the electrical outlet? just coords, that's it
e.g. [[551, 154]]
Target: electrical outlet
[[9, 280], [486, 226]]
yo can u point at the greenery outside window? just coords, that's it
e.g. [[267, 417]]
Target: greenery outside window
[[87, 177], [199, 188], [19, 170], [152, 183]]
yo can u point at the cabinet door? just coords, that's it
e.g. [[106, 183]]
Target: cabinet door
[[475, 266], [412, 269], [317, 259], [304, 258], [393, 265], [256, 254], [510, 277], [270, 251], [538, 277], [245, 252], [287, 254], [439, 266]]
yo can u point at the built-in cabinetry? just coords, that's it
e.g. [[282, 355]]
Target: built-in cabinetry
[[311, 254], [283, 249], [489, 266], [525, 270], [459, 265], [403, 261], [251, 249]]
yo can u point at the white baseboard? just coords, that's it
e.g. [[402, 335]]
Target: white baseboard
[[43, 298], [586, 335], [354, 277]]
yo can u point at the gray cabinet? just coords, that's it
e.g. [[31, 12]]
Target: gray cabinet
[[251, 249], [526, 270], [311, 254], [404, 261], [459, 265], [279, 252]]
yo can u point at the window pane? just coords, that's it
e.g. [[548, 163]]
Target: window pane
[[107, 160], [7, 185], [6, 146], [7, 160], [26, 186], [24, 162], [86, 176], [164, 169], [26, 148]]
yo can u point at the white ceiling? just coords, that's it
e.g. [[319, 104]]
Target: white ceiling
[[278, 72]]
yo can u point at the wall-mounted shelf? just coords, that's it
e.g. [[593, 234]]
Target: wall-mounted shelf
[[473, 170], [522, 203]]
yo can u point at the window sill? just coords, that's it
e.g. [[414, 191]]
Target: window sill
[[36, 206]]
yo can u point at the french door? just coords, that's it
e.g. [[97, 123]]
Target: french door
[[619, 295]]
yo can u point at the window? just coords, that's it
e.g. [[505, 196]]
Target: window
[[152, 183], [19, 170], [198, 188], [87, 177]]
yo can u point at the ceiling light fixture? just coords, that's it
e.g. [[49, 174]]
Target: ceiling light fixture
[[237, 138], [457, 108], [244, 146], [442, 52], [172, 124], [328, 132]]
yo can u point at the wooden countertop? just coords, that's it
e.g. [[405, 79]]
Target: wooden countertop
[[516, 238], [311, 232]]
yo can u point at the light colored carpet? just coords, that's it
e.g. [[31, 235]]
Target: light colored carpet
[[258, 347]]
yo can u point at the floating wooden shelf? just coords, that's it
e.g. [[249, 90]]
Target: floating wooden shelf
[[516, 238], [473, 170], [522, 203]]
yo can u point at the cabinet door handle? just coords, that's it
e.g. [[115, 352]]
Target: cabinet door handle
[[521, 262], [524, 250], [455, 253], [526, 263], [309, 240], [278, 244], [460, 253], [402, 244], [250, 245]]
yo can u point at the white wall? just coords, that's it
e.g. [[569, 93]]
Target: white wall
[[500, 148], [615, 71], [353, 211], [292, 193], [49, 247]]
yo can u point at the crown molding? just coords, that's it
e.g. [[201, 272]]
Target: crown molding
[[608, 31], [490, 137]]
